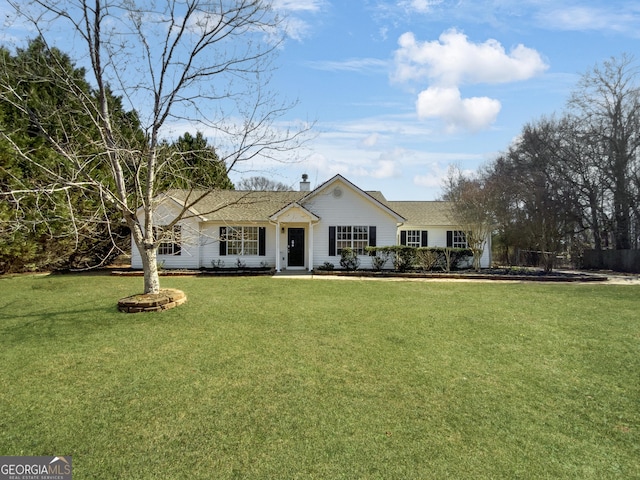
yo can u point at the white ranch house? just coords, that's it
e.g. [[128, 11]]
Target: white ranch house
[[296, 230]]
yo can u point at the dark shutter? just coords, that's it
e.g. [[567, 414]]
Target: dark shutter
[[177, 240], [372, 239], [332, 241], [223, 244], [449, 238], [424, 238], [403, 237], [262, 242]]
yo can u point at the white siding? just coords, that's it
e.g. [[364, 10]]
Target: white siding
[[189, 254], [210, 246], [350, 208]]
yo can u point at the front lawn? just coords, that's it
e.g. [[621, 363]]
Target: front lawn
[[259, 378]]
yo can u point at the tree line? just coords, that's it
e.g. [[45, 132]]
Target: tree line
[[570, 181], [149, 65], [51, 217]]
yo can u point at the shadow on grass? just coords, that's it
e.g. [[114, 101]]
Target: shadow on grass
[[21, 323]]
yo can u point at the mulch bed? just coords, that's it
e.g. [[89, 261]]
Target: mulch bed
[[517, 274], [190, 273], [485, 274]]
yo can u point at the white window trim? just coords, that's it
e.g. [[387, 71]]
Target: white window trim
[[243, 242], [348, 241], [171, 243], [459, 239]]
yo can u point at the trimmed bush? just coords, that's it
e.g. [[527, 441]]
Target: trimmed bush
[[349, 259], [406, 258], [326, 266]]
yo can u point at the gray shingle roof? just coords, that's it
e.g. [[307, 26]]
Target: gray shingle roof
[[378, 196], [238, 205], [255, 206], [424, 213]]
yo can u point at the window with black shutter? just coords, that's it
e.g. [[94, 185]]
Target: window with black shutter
[[356, 237], [262, 241], [372, 239], [332, 241], [223, 240]]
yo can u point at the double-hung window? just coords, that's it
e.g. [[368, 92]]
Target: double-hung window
[[414, 238], [242, 240], [170, 240], [356, 237], [459, 239]]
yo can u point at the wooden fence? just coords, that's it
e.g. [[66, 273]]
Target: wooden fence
[[616, 260]]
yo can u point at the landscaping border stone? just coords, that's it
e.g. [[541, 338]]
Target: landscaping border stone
[[149, 302]]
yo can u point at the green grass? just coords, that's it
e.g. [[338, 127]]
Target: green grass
[[259, 378]]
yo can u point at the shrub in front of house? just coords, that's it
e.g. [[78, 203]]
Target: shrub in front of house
[[456, 258], [404, 258], [426, 259], [349, 259], [326, 267], [379, 257]]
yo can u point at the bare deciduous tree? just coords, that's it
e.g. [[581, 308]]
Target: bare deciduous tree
[[606, 105], [262, 184], [198, 62], [534, 198], [471, 209]]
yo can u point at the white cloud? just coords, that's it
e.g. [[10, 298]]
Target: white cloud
[[430, 180], [622, 19], [294, 26], [451, 61], [359, 164], [385, 152], [420, 6], [371, 140], [350, 65], [378, 169], [386, 169], [434, 177], [473, 114], [454, 60], [298, 5]]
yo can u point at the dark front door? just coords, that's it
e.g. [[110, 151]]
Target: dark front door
[[296, 247]]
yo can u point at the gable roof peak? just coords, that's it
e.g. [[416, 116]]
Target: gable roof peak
[[338, 177]]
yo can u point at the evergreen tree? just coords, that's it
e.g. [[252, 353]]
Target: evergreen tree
[[194, 164], [37, 228]]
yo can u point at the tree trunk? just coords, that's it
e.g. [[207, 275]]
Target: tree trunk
[[595, 224], [150, 269], [622, 225], [477, 258]]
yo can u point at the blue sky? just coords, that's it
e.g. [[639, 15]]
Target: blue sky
[[401, 89]]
